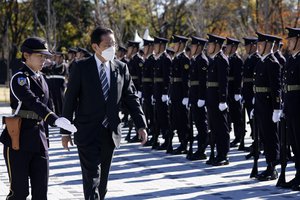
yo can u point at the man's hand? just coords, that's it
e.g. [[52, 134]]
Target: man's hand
[[143, 135], [65, 142]]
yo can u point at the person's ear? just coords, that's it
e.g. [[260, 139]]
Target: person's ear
[[26, 55]]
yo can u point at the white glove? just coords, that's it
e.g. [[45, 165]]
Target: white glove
[[276, 115], [152, 100], [164, 98], [252, 114], [139, 93], [223, 106], [253, 101], [200, 103], [185, 102], [237, 97], [169, 101], [65, 124]]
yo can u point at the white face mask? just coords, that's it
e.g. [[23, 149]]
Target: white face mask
[[109, 53]]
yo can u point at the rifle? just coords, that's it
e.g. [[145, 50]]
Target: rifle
[[283, 151], [212, 145], [155, 143], [242, 141], [255, 149], [191, 132]]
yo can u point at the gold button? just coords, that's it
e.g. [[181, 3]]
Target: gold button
[[43, 95], [38, 123]]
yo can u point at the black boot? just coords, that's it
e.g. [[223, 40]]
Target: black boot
[[269, 174], [220, 160], [234, 142], [197, 156], [180, 150]]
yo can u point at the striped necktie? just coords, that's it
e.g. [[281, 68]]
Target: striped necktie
[[105, 89]]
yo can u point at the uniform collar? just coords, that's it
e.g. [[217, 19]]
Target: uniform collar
[[33, 73], [265, 56], [295, 54], [213, 56]]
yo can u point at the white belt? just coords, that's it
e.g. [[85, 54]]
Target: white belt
[[55, 76]]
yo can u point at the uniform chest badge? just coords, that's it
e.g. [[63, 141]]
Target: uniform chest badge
[[186, 66], [141, 64], [21, 81]]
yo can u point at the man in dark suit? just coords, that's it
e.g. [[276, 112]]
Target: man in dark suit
[[95, 89]]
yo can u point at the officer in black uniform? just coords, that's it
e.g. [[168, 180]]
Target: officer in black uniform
[[235, 90], [277, 52], [135, 66], [121, 53], [216, 99], [29, 100], [197, 90], [161, 74], [267, 108], [147, 84], [71, 57], [179, 92], [248, 71], [291, 97], [56, 82]]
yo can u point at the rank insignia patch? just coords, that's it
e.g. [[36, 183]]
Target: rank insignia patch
[[21, 81], [186, 66]]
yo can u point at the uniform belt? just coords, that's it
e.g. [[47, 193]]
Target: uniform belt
[[176, 80], [230, 78], [158, 80], [248, 80], [193, 83], [289, 88], [134, 77], [28, 114], [212, 84], [55, 76], [147, 80], [262, 89]]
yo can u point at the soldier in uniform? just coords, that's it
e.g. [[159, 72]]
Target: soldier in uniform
[[161, 75], [197, 74], [234, 90], [147, 84], [216, 99], [121, 53], [56, 82], [179, 92], [135, 66], [71, 58], [248, 70], [277, 52], [29, 100], [267, 108], [291, 101]]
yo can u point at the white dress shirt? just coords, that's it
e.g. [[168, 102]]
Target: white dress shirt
[[106, 67]]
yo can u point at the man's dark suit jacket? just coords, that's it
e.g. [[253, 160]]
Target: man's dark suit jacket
[[84, 97]]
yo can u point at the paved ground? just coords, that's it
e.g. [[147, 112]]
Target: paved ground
[[138, 173]]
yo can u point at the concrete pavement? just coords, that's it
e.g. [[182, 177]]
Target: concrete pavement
[[139, 173]]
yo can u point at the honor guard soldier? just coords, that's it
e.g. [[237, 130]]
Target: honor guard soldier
[[71, 58], [179, 92], [161, 74], [277, 52], [248, 73], [267, 108], [135, 66], [216, 99], [56, 82], [235, 90], [291, 101], [26, 154], [197, 74], [121, 53], [147, 84]]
